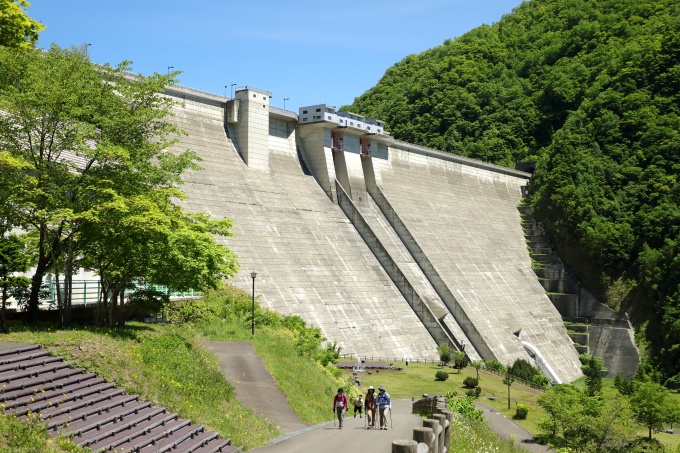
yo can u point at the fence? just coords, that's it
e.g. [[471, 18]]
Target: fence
[[389, 359], [88, 292]]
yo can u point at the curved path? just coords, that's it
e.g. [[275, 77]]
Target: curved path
[[255, 387]]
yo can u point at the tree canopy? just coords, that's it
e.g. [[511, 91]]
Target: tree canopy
[[589, 90], [16, 28], [85, 167]]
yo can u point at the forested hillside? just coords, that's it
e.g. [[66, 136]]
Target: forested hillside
[[590, 90]]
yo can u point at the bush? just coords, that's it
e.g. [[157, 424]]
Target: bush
[[444, 353], [441, 375], [524, 370], [646, 445], [470, 382], [495, 365], [474, 392], [521, 412]]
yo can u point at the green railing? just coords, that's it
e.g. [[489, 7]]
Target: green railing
[[88, 292]]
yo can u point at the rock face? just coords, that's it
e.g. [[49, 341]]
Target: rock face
[[432, 247]]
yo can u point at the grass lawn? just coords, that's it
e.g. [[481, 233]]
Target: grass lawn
[[418, 378]]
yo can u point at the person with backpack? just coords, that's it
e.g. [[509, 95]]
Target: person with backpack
[[340, 404], [383, 402], [358, 406], [369, 405]]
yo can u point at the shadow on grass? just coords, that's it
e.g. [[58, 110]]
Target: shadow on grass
[[127, 332]]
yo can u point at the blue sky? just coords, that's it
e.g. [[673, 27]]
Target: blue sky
[[310, 52]]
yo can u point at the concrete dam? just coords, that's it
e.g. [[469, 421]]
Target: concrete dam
[[389, 248]]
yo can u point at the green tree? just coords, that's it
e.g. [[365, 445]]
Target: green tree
[[444, 353], [16, 28], [89, 133], [459, 360], [571, 416], [651, 406], [592, 369], [14, 258], [478, 364]]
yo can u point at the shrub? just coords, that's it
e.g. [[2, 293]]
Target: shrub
[[466, 408], [521, 412], [444, 353], [523, 370], [441, 375], [474, 392], [470, 382], [646, 445], [147, 301], [495, 365]]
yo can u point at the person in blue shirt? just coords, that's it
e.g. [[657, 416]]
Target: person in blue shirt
[[384, 403]]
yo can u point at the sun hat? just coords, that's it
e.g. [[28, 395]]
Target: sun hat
[[370, 387], [381, 388]]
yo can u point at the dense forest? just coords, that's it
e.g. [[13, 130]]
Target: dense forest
[[589, 89]]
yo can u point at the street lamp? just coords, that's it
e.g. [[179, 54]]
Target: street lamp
[[169, 68], [232, 95], [87, 50], [284, 102], [252, 318]]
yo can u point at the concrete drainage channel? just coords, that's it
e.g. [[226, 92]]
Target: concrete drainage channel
[[93, 412]]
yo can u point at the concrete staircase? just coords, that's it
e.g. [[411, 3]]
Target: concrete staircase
[[92, 412], [593, 327]]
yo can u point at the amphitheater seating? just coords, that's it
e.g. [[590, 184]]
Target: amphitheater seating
[[93, 412]]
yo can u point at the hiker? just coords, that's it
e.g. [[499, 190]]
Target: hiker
[[358, 406], [340, 404], [383, 402], [369, 405]]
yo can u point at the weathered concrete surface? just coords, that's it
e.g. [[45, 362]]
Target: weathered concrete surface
[[466, 222], [255, 387], [309, 258], [312, 262]]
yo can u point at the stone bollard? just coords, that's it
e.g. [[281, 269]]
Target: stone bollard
[[404, 446], [447, 431], [441, 419], [425, 436], [436, 429]]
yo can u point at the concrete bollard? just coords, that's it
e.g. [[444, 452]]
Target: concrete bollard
[[441, 419], [424, 436], [404, 446], [447, 431], [436, 429]]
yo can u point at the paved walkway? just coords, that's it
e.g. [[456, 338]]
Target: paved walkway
[[255, 387], [503, 426], [353, 437]]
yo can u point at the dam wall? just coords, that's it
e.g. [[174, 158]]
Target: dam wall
[[454, 237]]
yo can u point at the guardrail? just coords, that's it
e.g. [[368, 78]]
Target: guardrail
[[87, 292]]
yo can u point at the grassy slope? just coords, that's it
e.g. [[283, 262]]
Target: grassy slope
[[165, 365]]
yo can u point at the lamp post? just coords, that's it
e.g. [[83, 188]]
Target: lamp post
[[252, 317], [225, 90], [232, 95], [87, 50], [284, 102]]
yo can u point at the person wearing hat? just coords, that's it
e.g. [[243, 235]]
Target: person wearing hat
[[369, 405], [340, 404], [383, 402]]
